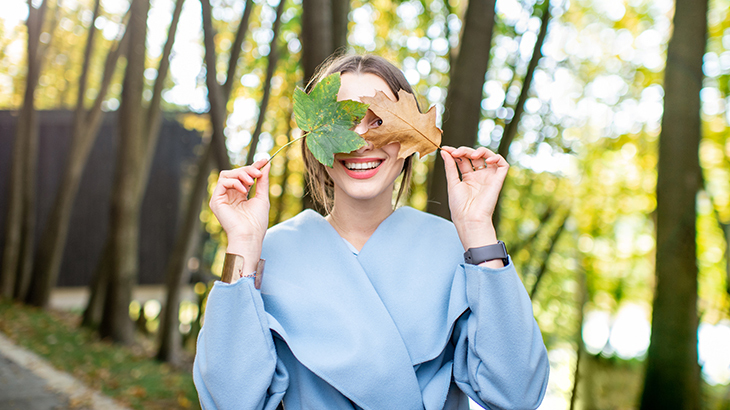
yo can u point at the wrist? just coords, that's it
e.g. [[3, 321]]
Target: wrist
[[250, 250], [474, 235]]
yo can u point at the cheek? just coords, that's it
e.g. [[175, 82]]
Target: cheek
[[392, 149]]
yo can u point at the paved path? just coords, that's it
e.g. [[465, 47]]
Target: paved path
[[28, 382]]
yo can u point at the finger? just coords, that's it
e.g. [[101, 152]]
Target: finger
[[478, 164], [230, 183], [452, 175], [260, 163], [462, 151], [246, 179], [219, 190], [481, 152], [497, 160], [262, 183], [464, 165]]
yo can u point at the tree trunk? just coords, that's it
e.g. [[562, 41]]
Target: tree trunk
[[543, 266], [726, 231], [236, 49], [340, 10], [280, 203], [170, 339], [463, 101], [511, 127], [154, 111], [177, 273], [316, 35], [125, 213], [24, 134], [580, 346], [85, 129], [270, 70], [98, 289], [216, 98], [317, 45], [672, 378]]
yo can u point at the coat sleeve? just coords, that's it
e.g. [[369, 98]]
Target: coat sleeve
[[500, 360], [236, 365]]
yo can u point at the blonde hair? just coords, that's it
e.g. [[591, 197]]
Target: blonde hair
[[321, 186]]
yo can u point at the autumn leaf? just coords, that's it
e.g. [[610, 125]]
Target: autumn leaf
[[328, 122], [403, 123]]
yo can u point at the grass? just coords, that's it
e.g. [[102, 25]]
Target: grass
[[128, 374]]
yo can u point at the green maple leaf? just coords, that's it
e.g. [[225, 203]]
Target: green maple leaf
[[328, 122]]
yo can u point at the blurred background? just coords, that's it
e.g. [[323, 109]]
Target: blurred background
[[116, 116]]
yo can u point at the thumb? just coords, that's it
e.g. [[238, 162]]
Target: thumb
[[452, 175], [262, 183]]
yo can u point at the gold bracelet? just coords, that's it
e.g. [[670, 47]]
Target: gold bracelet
[[233, 270]]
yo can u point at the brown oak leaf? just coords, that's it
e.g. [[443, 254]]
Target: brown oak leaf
[[403, 123]]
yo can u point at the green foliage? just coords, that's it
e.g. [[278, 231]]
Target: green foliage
[[328, 122]]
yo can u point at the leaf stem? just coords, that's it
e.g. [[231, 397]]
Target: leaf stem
[[282, 147]]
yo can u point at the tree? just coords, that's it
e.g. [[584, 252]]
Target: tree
[[218, 96], [511, 127], [151, 131], [116, 322], [86, 126], [672, 378], [463, 101], [18, 252], [270, 69], [324, 30]]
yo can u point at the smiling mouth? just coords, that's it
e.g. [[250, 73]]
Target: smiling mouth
[[362, 166]]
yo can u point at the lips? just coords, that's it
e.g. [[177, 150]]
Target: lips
[[361, 168]]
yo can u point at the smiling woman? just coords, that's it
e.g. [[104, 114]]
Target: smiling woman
[[369, 307], [361, 76]]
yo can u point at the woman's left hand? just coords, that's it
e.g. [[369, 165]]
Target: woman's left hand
[[473, 197]]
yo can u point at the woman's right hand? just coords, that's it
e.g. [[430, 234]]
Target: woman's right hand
[[244, 220]]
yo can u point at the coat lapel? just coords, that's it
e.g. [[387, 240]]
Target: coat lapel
[[410, 261], [325, 307]]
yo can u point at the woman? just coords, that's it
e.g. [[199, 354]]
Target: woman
[[369, 307]]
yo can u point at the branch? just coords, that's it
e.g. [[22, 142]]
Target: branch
[[580, 347], [543, 220], [154, 112], [218, 111], [79, 114], [543, 266], [511, 127], [236, 50], [94, 115], [270, 69]]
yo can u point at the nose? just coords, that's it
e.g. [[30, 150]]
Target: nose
[[365, 148]]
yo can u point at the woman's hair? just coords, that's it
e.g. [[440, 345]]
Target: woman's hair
[[320, 184]]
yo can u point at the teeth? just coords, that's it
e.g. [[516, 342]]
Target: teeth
[[362, 165]]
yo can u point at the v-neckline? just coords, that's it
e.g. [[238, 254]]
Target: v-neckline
[[347, 243]]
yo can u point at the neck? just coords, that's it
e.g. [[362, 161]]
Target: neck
[[356, 220]]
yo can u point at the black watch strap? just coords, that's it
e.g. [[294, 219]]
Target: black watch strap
[[475, 256]]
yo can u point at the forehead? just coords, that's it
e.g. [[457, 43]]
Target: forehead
[[353, 86]]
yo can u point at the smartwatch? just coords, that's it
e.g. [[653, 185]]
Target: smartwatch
[[475, 256]]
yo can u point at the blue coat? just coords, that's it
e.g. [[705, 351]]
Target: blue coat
[[403, 324]]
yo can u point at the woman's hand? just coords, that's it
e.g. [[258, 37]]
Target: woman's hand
[[244, 220], [473, 197]]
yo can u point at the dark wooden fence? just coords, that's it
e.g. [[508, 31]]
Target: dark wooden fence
[[174, 156]]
